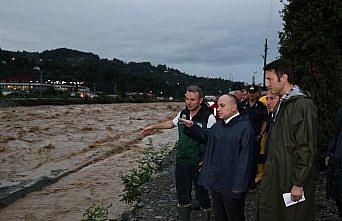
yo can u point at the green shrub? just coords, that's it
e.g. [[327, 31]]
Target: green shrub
[[96, 213], [150, 163]]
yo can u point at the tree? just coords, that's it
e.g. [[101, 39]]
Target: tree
[[311, 41]]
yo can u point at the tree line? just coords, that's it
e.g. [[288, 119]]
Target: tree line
[[109, 76]]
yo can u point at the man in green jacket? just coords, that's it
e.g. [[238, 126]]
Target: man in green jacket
[[290, 164], [189, 153]]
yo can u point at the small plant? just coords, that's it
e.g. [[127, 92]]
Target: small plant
[[152, 158], [96, 213], [150, 163]]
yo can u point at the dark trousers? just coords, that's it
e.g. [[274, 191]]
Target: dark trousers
[[228, 209], [186, 175]]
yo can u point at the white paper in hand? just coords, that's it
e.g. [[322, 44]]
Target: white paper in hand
[[289, 202]]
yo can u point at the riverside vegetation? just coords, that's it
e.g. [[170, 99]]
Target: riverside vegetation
[[96, 213], [148, 165]]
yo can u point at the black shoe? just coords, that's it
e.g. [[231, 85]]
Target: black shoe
[[184, 213]]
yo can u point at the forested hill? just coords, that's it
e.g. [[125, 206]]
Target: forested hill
[[71, 65]]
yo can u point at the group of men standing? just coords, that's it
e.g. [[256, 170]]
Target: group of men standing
[[221, 156]]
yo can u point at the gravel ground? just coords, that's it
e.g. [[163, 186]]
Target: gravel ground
[[159, 200]]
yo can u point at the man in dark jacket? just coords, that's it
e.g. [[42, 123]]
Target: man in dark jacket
[[334, 164], [290, 162], [257, 113], [228, 158]]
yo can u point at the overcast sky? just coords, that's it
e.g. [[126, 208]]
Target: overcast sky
[[217, 38]]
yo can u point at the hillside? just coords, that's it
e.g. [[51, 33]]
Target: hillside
[[109, 76]]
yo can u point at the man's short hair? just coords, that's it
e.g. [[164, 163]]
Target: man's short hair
[[195, 88], [281, 67], [233, 98]]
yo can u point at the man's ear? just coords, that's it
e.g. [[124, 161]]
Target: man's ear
[[284, 77], [201, 99], [234, 107]]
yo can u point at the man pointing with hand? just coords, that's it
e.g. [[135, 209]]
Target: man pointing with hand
[[227, 163], [189, 153]]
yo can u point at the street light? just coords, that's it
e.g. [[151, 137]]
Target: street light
[[178, 84], [37, 68]]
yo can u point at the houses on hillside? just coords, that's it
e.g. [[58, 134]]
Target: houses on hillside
[[28, 84]]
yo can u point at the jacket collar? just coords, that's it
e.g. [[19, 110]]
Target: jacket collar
[[229, 119], [295, 92], [292, 94], [235, 119]]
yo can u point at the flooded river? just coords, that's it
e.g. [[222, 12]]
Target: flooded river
[[86, 147]]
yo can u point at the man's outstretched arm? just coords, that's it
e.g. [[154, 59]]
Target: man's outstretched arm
[[163, 125]]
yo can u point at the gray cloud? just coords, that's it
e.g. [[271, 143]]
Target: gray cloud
[[217, 38]]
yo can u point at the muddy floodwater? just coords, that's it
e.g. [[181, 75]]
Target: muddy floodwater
[[84, 148]]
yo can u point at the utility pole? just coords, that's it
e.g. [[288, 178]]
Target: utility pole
[[253, 79], [231, 77], [265, 59]]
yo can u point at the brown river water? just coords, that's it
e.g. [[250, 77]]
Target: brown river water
[[94, 143]]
